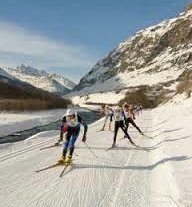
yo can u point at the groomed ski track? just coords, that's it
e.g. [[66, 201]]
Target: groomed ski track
[[123, 176]]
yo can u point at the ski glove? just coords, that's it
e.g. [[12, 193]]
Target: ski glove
[[84, 138]]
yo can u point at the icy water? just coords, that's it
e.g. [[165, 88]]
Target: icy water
[[88, 116]]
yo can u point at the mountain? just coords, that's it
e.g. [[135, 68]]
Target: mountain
[[18, 95], [41, 79], [12, 87], [3, 73], [155, 57], [10, 80]]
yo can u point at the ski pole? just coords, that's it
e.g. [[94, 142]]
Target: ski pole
[[90, 149]]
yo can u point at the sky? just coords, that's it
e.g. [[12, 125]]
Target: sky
[[68, 37]]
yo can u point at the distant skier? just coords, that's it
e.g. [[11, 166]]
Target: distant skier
[[119, 118], [138, 109], [127, 110], [71, 126], [108, 115]]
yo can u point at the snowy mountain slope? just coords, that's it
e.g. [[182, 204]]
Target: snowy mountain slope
[[157, 54], [19, 95], [125, 176], [63, 81], [41, 79], [5, 74], [31, 71], [11, 80]]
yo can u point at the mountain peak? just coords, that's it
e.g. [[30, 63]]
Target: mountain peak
[[28, 70], [41, 79]]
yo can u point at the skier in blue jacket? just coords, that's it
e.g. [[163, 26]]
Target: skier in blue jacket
[[71, 126]]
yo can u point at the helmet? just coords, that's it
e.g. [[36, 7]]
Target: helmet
[[70, 112], [117, 108]]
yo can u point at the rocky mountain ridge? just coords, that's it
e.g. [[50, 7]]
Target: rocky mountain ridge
[[157, 55]]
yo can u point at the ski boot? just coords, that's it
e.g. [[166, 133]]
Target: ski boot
[[62, 160], [69, 160]]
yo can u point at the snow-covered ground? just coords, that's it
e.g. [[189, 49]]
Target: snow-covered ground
[[158, 175], [99, 98]]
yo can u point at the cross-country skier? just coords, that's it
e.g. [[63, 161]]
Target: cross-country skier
[[127, 110], [71, 126], [139, 109], [119, 118], [108, 115]]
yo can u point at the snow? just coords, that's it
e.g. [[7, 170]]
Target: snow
[[5, 74], [99, 98], [158, 175]]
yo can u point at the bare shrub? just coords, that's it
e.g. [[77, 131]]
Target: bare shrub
[[138, 96], [142, 95], [185, 84]]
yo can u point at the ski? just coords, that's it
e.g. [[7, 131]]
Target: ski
[[48, 167], [122, 138], [147, 136], [64, 169], [100, 130], [51, 146], [110, 148]]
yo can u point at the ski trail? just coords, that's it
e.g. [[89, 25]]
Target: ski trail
[[22, 151], [105, 181], [107, 193], [118, 187]]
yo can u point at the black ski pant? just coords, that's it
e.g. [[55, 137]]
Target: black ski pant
[[130, 120], [120, 124]]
